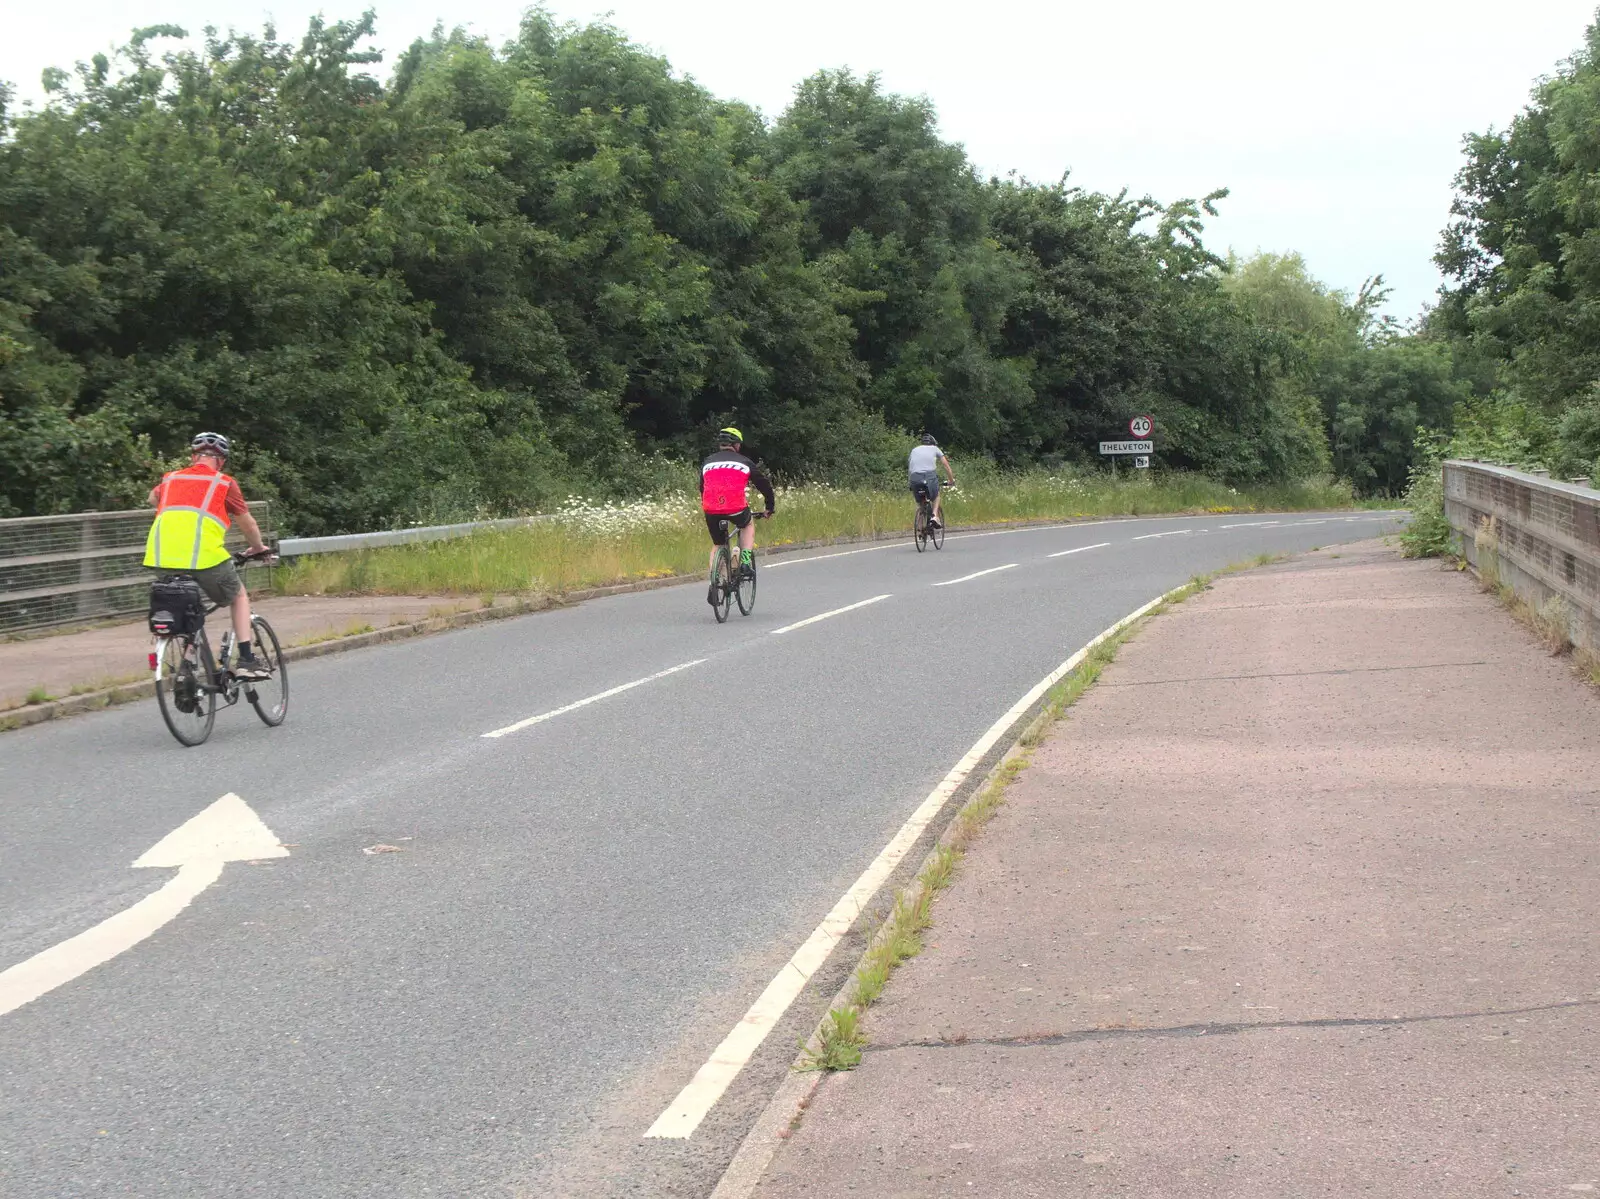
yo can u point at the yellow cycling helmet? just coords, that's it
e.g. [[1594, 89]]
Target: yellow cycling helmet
[[729, 436]]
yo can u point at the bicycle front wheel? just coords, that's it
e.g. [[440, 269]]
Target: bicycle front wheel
[[269, 697], [745, 593], [722, 579], [936, 534], [187, 704]]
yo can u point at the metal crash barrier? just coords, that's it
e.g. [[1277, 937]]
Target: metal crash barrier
[[81, 568]]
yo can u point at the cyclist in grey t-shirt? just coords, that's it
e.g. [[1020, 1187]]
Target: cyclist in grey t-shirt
[[924, 470]]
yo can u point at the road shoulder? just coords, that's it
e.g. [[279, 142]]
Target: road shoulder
[[1303, 894]]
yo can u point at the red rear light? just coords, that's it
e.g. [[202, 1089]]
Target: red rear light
[[152, 659]]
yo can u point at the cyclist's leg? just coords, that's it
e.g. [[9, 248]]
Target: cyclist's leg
[[719, 538], [934, 490], [745, 522]]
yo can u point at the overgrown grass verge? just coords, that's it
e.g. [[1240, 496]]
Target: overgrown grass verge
[[840, 1039], [593, 545]]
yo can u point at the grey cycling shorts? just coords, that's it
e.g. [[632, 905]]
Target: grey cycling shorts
[[928, 479]]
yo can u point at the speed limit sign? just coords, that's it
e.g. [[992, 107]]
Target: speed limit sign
[[1141, 426]]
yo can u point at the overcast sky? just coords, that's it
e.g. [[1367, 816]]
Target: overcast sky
[[1337, 126]]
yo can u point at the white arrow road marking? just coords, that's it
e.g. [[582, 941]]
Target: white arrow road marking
[[582, 703], [800, 624], [1097, 546], [977, 574], [696, 1099], [227, 831]]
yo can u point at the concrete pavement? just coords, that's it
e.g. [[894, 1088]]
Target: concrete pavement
[[1302, 899]]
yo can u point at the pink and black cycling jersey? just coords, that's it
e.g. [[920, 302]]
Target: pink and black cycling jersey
[[724, 478]]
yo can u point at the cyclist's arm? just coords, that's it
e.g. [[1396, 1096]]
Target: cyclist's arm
[[950, 474], [239, 511], [764, 485]]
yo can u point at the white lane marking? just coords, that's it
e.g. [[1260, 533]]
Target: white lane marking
[[562, 711], [977, 574], [1071, 524], [227, 831], [1098, 546], [871, 549], [800, 624], [1253, 524], [696, 1099], [1168, 533]]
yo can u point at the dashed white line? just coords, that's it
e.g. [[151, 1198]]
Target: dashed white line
[[712, 1080], [1168, 533], [977, 574], [1098, 546], [562, 711], [800, 624], [871, 549], [1253, 524]]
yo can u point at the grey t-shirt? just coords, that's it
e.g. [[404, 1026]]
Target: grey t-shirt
[[924, 459]]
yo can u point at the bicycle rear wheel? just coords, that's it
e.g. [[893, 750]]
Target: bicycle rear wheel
[[722, 579], [745, 593], [269, 697], [187, 705], [919, 530]]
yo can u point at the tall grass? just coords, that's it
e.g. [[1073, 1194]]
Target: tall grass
[[588, 545]]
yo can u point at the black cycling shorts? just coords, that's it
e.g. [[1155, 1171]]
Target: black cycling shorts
[[718, 530]]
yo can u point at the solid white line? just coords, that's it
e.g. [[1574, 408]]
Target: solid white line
[[684, 1114], [800, 624], [1099, 546], [1168, 533], [977, 574], [532, 720]]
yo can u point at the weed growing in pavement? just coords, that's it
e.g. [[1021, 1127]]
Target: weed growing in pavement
[[39, 695], [840, 1039], [588, 543]]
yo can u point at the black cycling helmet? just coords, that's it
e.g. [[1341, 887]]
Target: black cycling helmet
[[729, 437], [210, 443], [929, 439]]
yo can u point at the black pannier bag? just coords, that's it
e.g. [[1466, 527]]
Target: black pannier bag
[[175, 607]]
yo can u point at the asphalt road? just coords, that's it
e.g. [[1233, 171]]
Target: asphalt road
[[579, 910]]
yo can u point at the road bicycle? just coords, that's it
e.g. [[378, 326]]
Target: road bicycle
[[731, 585], [923, 529], [189, 680]]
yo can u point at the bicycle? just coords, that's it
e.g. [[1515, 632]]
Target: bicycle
[[189, 680], [923, 529], [732, 585]]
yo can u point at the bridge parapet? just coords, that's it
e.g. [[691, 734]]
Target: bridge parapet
[[1544, 536]]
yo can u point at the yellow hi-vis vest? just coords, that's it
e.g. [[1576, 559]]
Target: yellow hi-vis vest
[[191, 520]]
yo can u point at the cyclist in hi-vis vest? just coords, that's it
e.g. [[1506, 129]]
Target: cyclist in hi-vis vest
[[724, 479], [194, 507]]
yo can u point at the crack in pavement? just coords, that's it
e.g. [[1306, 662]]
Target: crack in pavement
[[1296, 674], [1030, 1040]]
